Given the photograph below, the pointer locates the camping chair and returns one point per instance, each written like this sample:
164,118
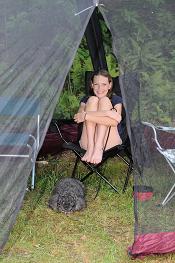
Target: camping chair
122,151
169,155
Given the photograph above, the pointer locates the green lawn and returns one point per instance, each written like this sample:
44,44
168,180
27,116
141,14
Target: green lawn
100,233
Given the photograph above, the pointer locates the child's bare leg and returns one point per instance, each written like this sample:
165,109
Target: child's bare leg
101,133
99,145
89,128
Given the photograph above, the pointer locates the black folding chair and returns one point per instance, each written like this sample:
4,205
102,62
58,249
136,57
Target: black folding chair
122,151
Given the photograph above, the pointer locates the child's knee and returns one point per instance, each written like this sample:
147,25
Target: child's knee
106,102
93,100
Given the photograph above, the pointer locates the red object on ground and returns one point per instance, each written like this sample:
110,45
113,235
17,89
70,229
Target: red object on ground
152,243
143,192
144,196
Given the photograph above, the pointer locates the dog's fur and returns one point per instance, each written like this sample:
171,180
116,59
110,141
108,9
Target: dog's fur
68,196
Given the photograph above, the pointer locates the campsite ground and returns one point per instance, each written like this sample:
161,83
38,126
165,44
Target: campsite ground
100,233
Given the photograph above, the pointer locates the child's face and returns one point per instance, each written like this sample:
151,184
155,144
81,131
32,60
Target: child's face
101,86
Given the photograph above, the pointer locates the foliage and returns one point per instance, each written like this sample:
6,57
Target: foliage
74,87
81,64
67,105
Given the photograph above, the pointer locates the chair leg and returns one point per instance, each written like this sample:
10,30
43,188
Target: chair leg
33,177
75,166
98,189
94,170
130,168
112,186
86,176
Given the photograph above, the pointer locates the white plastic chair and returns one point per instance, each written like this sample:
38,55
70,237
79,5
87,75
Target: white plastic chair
169,155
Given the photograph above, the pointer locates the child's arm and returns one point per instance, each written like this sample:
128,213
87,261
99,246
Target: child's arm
108,118
82,107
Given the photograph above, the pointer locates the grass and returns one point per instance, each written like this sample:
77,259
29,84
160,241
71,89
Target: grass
100,233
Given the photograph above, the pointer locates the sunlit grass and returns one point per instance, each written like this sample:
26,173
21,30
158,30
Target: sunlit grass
101,233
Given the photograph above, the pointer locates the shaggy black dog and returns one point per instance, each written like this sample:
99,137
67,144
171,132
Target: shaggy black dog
68,196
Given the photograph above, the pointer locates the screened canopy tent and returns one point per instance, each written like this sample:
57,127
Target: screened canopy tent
38,42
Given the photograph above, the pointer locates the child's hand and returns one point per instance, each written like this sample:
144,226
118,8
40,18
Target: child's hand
114,115
80,117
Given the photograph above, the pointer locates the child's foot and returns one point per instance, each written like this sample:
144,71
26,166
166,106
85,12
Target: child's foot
87,156
97,156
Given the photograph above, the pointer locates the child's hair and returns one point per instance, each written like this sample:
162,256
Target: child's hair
104,73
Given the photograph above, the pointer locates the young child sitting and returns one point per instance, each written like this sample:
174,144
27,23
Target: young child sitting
99,111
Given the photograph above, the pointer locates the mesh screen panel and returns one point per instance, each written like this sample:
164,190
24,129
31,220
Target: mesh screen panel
144,44
38,41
